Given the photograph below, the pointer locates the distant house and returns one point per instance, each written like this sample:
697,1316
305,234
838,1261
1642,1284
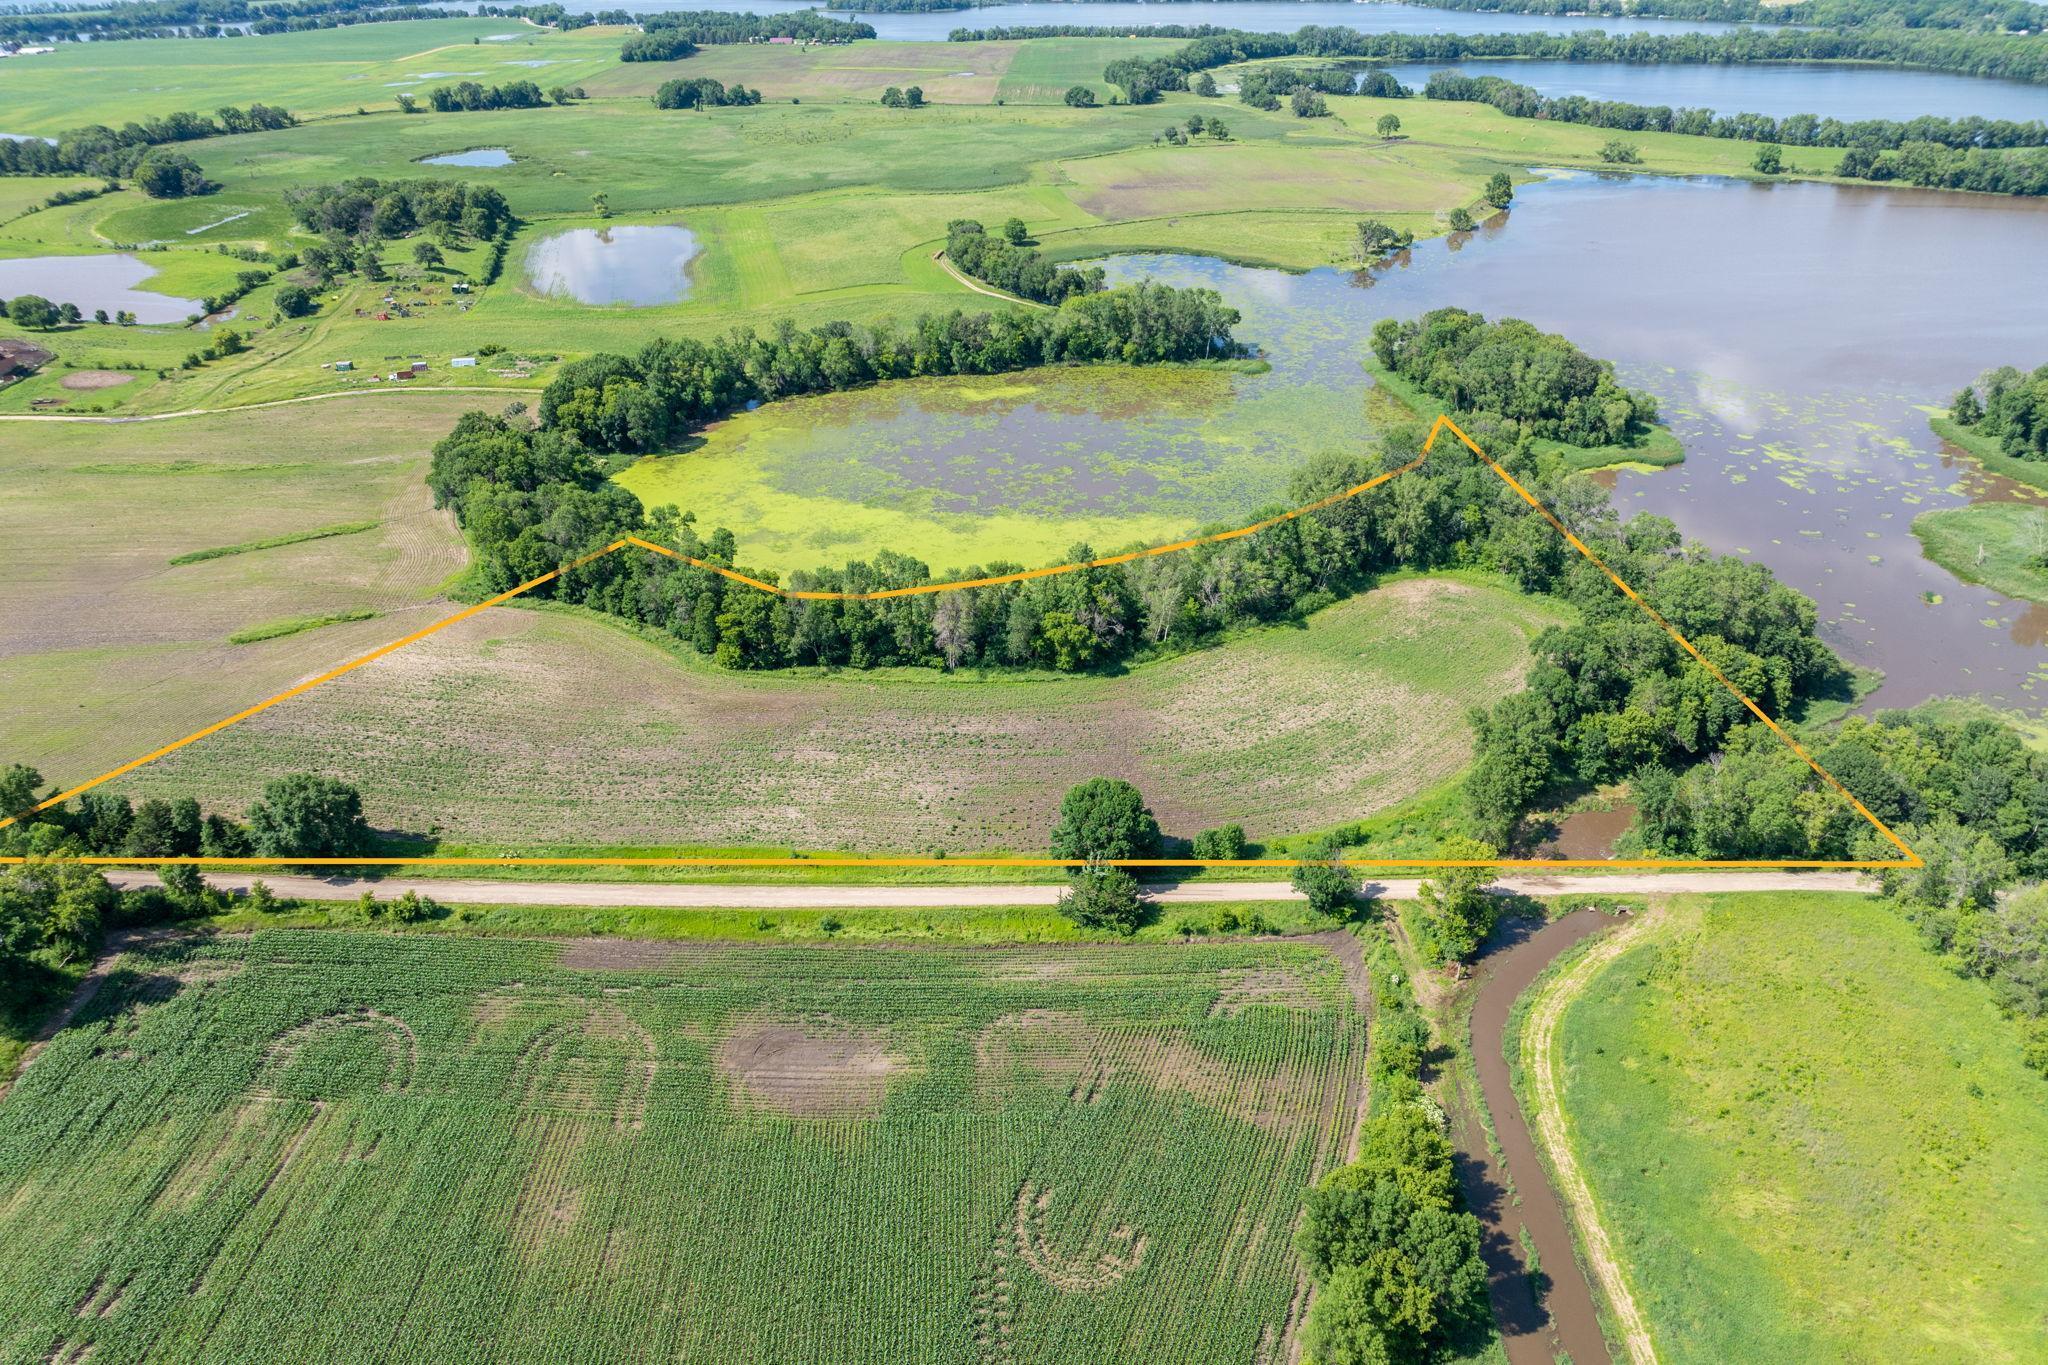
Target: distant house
782,41
19,360
341,365
462,362
419,367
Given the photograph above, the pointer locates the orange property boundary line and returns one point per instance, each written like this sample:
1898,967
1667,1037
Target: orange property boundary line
1908,858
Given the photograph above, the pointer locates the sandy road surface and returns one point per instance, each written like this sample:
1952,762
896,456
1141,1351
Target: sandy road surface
451,891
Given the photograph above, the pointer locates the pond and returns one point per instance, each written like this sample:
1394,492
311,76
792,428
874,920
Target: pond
968,470
632,265
475,156
105,281
1777,89
1799,375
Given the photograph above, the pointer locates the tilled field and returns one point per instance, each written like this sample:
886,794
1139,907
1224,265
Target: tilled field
522,729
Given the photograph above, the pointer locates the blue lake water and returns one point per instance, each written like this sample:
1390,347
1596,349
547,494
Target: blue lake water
1843,92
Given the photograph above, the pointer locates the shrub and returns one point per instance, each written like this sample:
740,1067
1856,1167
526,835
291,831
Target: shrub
1103,896
1220,844
1331,887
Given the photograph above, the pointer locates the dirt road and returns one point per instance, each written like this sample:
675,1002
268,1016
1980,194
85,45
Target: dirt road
825,896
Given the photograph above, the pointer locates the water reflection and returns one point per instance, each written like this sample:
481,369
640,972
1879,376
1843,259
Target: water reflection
635,265
108,280
1776,88
475,156
1793,352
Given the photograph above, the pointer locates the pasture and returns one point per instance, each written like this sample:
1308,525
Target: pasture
1809,1139
360,1147
819,206
316,74
518,727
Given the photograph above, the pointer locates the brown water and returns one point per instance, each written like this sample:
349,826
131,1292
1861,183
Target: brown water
1564,1323
1794,334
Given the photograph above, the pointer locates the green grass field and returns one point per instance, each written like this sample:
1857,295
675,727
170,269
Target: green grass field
1809,1140
320,73
1998,544
345,1146
818,210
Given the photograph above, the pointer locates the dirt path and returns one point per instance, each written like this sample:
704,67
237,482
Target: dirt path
1539,1052
82,995
824,896
253,407
978,287
1565,1322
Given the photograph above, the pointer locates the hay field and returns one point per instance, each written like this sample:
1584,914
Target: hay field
334,1146
108,647
520,729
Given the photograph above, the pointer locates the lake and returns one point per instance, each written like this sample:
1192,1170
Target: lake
1271,16
633,265
107,281
1779,89
1794,334
475,156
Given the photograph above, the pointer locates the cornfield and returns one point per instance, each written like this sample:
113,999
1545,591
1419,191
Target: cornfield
318,1145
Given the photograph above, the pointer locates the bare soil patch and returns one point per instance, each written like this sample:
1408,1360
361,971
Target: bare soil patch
811,1068
95,379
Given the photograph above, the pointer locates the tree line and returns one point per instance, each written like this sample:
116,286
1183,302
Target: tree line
469,96
1965,793
100,150
1982,16
1795,130
1975,54
677,34
2011,406
1537,380
96,22
1011,266
302,814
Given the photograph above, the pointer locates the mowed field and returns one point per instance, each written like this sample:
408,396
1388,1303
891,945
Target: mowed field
522,728
333,1146
1809,1140
107,646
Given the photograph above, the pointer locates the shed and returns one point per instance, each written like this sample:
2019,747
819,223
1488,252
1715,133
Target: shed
344,364
462,362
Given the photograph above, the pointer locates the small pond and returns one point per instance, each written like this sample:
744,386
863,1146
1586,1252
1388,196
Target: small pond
106,281
633,265
475,156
